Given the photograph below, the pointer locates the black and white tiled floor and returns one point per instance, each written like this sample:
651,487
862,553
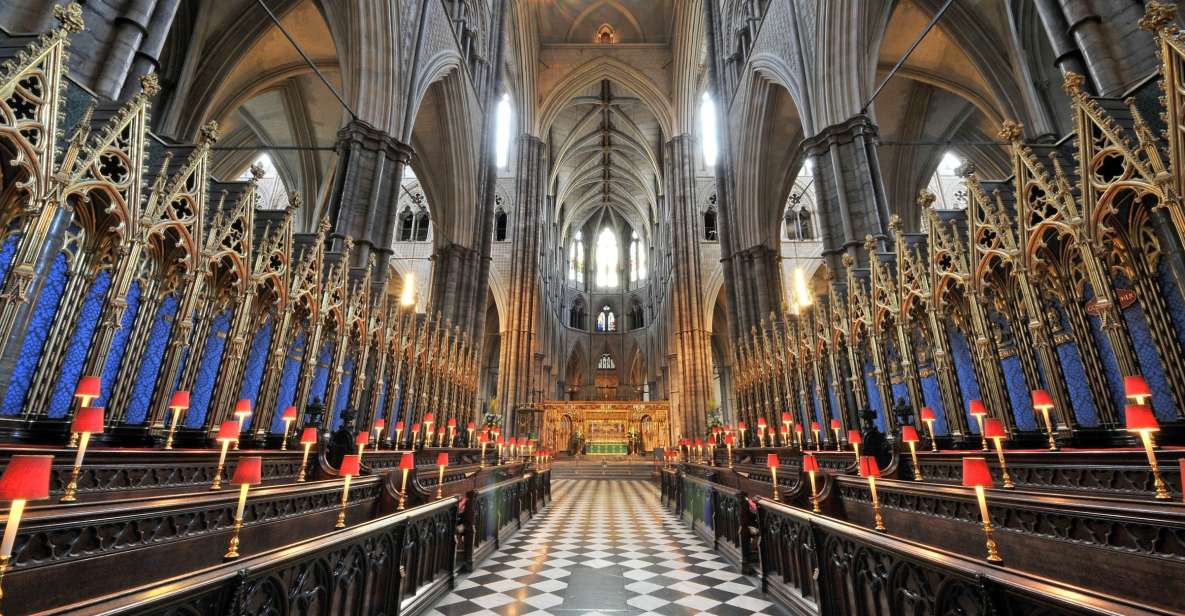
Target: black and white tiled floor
605,547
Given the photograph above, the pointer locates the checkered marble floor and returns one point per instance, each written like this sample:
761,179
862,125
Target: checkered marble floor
605,547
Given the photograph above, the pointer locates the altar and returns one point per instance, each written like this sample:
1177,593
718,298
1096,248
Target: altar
605,427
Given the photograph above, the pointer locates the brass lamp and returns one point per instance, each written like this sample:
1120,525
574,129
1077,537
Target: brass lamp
818,439
398,434
977,475
88,389
836,427
242,412
786,421
910,436
442,462
929,418
1043,402
178,404
247,473
407,463
772,461
452,428
350,467
1140,420
288,417
810,465
977,410
228,433
429,435
728,439
378,427
855,439
308,438
88,420
994,429
362,439
25,478
871,471
415,434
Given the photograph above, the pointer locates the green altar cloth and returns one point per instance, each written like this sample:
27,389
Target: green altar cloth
606,449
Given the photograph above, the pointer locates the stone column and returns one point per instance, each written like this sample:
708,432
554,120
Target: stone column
516,363
852,201
365,193
693,351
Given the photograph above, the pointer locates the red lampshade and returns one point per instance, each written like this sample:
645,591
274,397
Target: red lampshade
1135,386
835,424
1140,418
854,437
699,442
728,440
452,423
741,426
1042,399
909,434
976,473
928,414
289,414
442,459
440,431
379,424
351,464
814,426
785,417
415,427
88,387
228,431
868,467
88,419
471,426
309,436
399,426
994,428
248,471
242,407
180,399
810,464
429,418
798,428
501,440
407,462
976,407
481,437
362,438
772,460
26,478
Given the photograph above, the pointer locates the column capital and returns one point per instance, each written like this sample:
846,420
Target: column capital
371,138
842,133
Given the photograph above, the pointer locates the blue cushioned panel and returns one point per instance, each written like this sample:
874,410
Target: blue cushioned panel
253,371
203,386
965,369
62,398
1076,381
43,313
288,382
120,342
150,365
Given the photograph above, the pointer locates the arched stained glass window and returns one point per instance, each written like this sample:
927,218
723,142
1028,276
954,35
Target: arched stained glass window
606,362
576,259
707,122
606,320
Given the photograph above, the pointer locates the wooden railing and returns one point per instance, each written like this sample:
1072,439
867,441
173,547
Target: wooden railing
817,565
396,564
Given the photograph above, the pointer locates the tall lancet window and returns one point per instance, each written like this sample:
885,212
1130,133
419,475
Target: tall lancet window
607,259
637,258
502,132
707,124
606,320
576,259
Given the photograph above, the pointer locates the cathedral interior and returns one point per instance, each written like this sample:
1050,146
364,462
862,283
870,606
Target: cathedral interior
604,307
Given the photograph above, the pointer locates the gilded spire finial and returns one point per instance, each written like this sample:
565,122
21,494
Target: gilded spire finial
925,199
209,133
1011,130
1072,84
1157,15
848,260
895,223
150,85
70,16
257,172
294,201
869,243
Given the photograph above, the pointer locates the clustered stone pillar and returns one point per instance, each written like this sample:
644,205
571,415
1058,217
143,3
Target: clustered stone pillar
852,201
691,332
518,352
365,193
